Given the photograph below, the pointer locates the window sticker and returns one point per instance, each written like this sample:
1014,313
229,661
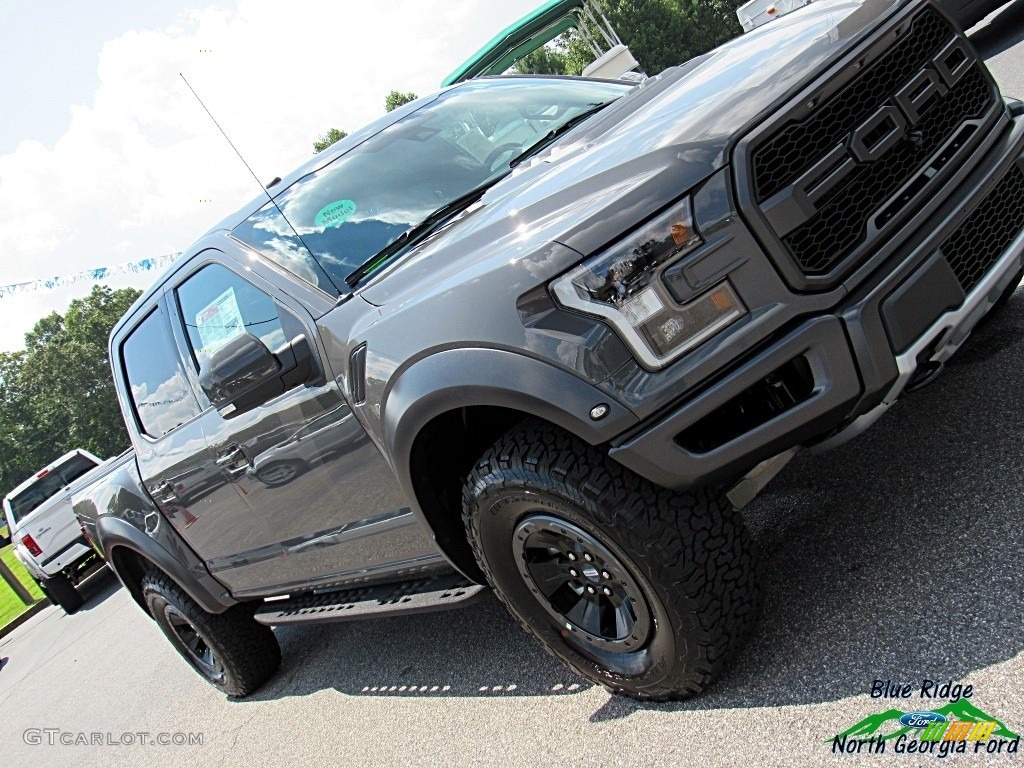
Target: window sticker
335,214
219,322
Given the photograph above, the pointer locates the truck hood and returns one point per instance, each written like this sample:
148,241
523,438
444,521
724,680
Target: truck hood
640,153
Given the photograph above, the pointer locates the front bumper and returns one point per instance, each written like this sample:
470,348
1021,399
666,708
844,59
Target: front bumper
894,330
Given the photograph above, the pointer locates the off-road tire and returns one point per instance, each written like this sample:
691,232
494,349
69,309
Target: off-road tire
61,591
689,554
245,653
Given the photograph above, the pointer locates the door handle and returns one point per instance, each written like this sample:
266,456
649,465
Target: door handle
164,487
233,461
232,455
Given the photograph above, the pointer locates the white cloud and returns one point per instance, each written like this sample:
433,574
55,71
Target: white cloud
127,178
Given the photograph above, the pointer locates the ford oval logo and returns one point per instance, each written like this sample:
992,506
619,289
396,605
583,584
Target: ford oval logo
921,719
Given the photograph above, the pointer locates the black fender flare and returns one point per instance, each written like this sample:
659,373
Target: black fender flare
475,376
182,565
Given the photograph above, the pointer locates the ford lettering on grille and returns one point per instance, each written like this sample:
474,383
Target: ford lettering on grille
832,175
892,123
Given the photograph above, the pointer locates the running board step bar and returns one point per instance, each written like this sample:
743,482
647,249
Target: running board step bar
436,593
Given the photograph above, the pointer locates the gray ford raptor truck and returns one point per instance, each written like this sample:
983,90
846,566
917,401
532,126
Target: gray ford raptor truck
547,335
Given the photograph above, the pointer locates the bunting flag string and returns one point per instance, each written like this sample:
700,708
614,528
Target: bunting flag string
100,273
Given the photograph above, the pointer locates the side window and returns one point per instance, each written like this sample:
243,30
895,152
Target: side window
159,390
217,305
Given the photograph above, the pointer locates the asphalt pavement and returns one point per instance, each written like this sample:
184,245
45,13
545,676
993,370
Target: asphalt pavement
896,557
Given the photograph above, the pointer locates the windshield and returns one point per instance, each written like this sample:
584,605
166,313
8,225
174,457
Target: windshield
49,485
353,208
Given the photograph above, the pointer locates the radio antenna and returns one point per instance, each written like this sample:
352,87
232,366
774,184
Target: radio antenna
257,178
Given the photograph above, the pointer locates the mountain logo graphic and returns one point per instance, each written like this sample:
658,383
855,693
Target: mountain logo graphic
891,724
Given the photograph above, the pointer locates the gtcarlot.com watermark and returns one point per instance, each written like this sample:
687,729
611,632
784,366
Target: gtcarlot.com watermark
54,737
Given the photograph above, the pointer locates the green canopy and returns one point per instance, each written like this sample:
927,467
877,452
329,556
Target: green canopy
512,43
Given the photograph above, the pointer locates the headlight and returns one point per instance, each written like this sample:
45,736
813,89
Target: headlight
623,286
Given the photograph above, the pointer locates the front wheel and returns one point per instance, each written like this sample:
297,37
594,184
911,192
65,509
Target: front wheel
645,591
231,650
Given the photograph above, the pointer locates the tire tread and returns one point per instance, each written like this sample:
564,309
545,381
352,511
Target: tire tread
711,587
248,650
59,589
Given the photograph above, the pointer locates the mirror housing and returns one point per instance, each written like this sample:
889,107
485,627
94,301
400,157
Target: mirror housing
243,373
298,363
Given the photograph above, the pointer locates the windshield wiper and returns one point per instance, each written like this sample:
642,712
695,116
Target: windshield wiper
554,133
418,232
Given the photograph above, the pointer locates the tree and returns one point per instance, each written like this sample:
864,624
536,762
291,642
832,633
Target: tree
395,99
546,60
15,423
57,393
660,33
325,140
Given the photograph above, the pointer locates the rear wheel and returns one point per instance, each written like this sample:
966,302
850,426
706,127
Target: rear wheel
645,591
231,650
60,590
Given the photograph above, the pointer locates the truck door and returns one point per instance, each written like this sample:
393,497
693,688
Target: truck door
174,461
323,501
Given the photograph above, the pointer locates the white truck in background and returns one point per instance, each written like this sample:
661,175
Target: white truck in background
44,532
754,13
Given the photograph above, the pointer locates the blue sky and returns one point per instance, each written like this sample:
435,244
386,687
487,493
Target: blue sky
106,158
53,49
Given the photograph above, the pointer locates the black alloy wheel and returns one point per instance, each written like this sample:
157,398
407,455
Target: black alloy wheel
231,650
643,590
193,646
583,585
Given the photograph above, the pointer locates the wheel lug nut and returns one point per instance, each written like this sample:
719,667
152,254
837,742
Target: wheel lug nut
572,556
607,591
605,575
587,556
573,572
591,590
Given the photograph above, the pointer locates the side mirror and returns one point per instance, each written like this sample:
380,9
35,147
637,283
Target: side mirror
299,364
243,373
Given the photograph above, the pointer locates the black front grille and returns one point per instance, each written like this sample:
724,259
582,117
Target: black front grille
860,180
988,231
778,161
841,224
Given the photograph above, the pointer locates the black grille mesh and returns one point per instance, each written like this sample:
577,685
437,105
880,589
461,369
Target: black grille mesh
840,225
987,232
792,150
835,237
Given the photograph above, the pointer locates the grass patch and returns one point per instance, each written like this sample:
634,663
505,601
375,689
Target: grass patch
10,604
